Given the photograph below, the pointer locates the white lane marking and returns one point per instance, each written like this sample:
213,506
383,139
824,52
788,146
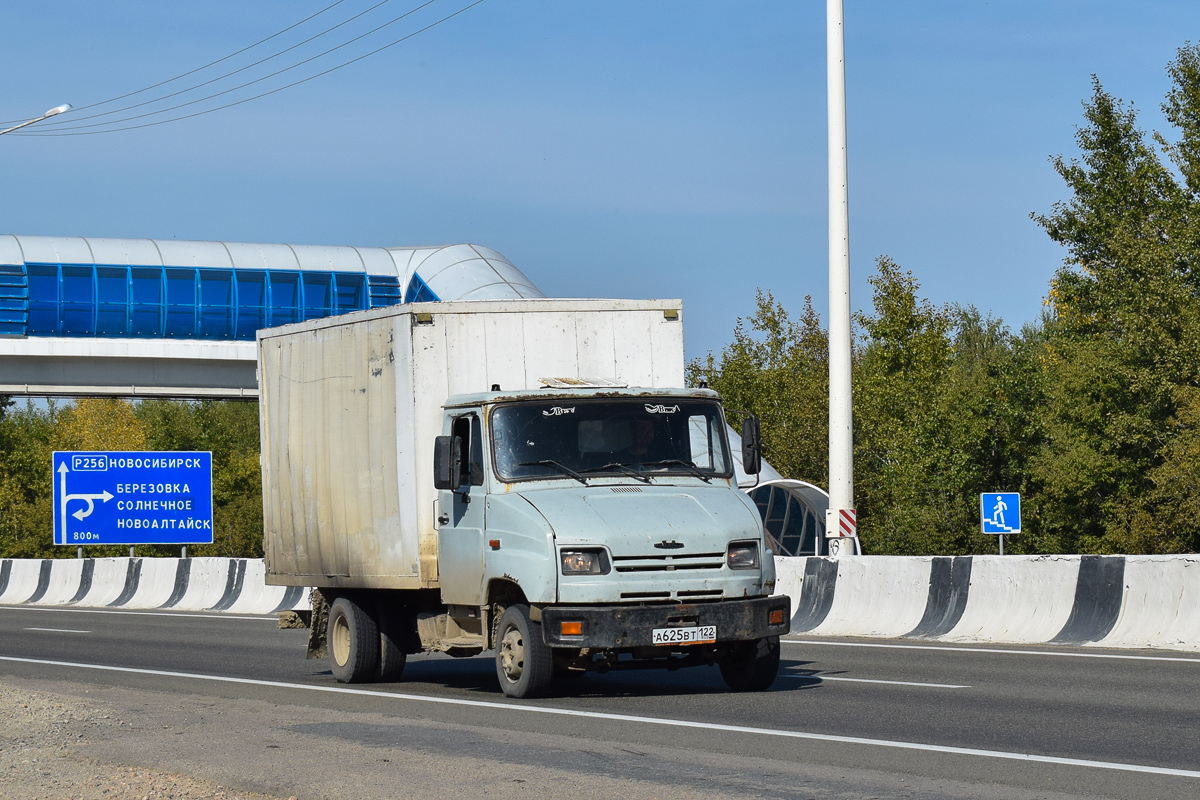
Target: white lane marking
670,723
55,630
822,678
1064,654
213,615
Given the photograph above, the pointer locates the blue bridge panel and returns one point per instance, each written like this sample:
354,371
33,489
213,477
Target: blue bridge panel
42,299
14,300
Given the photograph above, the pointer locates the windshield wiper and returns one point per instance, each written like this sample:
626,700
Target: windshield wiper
623,467
549,462
689,465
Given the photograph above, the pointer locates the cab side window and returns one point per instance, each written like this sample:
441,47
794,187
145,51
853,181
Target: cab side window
467,428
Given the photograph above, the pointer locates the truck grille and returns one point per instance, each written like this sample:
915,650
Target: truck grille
695,594
669,563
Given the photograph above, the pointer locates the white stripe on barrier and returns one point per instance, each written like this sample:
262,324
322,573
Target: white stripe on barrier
108,581
156,583
1162,599
206,583
22,580
877,596
257,596
1017,599
65,575
789,575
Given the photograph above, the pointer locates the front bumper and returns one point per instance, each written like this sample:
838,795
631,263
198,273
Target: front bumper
621,626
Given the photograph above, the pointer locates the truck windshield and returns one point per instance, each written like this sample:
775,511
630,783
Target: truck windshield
589,438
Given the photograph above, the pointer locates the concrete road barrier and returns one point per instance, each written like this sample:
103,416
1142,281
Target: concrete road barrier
235,585
1104,601
1019,600
1107,601
877,596
1162,603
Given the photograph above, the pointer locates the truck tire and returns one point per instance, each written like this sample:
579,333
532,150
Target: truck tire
524,662
353,639
392,641
752,666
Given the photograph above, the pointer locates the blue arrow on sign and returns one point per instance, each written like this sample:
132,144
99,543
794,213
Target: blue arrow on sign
1000,512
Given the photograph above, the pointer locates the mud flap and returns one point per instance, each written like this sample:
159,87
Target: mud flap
320,621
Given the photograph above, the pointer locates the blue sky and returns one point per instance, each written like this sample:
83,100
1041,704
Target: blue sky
620,149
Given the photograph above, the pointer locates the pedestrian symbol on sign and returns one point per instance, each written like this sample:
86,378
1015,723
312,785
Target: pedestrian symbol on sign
1000,512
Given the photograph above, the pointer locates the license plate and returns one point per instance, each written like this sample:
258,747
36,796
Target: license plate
703,634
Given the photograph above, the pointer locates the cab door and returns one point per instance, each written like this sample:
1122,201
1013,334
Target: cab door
460,520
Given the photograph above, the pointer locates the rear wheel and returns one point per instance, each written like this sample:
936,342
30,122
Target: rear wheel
752,666
353,640
524,662
393,640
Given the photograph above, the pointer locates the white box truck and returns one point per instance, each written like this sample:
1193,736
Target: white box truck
524,476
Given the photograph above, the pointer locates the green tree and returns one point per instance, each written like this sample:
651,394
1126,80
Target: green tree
230,431
940,405
777,368
98,424
1123,335
939,417
26,529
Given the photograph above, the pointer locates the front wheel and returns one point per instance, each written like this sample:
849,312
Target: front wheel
524,662
752,666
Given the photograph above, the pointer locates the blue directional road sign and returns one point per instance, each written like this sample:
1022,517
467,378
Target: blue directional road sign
133,498
1000,512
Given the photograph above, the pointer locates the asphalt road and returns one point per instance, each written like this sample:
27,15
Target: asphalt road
233,699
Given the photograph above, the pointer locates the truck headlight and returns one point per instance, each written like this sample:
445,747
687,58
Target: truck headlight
584,562
742,555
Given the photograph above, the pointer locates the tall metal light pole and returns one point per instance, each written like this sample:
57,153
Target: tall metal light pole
841,526
50,113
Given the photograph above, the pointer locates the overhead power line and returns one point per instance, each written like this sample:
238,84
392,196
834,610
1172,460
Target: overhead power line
263,94
69,124
206,66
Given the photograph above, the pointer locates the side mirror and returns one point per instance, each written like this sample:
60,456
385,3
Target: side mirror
751,446
447,462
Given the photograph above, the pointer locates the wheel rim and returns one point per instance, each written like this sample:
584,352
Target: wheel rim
512,655
340,639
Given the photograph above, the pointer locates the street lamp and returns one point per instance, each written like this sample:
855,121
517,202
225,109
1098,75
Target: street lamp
841,518
52,112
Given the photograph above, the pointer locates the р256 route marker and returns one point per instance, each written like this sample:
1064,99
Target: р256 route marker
132,498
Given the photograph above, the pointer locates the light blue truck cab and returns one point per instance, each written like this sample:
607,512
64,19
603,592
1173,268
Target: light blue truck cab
602,528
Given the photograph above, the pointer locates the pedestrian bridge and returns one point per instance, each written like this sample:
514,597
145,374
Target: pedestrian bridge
167,318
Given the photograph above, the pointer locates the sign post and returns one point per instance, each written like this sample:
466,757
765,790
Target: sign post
132,498
1000,514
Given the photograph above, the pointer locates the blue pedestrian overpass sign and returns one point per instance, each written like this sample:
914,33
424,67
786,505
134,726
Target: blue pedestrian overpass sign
1000,513
133,498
